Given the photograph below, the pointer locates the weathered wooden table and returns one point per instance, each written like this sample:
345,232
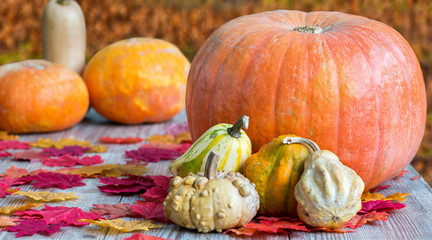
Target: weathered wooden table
412,222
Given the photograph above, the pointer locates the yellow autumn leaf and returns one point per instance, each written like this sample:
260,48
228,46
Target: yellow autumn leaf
397,197
6,136
110,170
7,221
60,143
47,196
124,226
158,138
182,137
368,196
7,210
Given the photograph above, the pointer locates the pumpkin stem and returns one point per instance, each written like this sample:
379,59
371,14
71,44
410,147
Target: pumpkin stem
234,131
210,170
309,144
63,2
308,29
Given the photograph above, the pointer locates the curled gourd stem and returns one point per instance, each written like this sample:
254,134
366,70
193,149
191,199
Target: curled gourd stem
210,170
234,131
309,144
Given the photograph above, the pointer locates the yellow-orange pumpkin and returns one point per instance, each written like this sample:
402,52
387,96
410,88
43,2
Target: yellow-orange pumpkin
351,84
40,96
137,80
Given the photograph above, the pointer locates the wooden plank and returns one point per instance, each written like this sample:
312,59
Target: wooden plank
412,222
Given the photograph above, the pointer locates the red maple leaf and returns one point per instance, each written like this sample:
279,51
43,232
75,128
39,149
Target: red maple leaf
113,211
60,214
13,144
150,211
4,154
120,140
402,173
51,179
152,154
70,150
415,177
62,161
380,206
30,227
90,160
131,184
5,184
140,236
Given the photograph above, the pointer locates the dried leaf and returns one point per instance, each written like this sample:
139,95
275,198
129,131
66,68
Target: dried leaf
124,226
133,184
47,196
241,231
59,144
62,161
66,150
165,139
110,170
402,173
30,227
57,180
396,197
380,206
368,196
4,154
270,225
149,154
359,220
151,211
13,144
378,188
7,210
6,136
15,172
140,236
177,128
120,140
113,211
60,214
28,155
90,160
7,221
415,177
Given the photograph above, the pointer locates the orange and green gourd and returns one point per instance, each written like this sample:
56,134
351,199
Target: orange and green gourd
226,140
275,170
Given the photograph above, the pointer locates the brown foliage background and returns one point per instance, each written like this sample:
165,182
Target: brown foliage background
187,23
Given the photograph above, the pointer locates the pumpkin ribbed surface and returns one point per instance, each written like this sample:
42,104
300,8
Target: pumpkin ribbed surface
137,80
39,96
355,87
275,170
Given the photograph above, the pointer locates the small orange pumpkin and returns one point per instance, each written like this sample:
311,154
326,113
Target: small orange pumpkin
137,80
40,96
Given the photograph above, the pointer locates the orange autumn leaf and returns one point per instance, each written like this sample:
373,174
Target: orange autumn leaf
124,226
181,137
359,220
15,172
7,221
7,210
60,143
6,136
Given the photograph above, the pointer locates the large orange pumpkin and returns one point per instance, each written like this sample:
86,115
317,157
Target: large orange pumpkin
351,84
137,80
39,96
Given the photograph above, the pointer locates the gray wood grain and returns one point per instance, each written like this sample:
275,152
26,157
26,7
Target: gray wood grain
412,222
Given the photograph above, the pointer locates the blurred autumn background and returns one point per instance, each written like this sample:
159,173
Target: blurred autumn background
187,23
